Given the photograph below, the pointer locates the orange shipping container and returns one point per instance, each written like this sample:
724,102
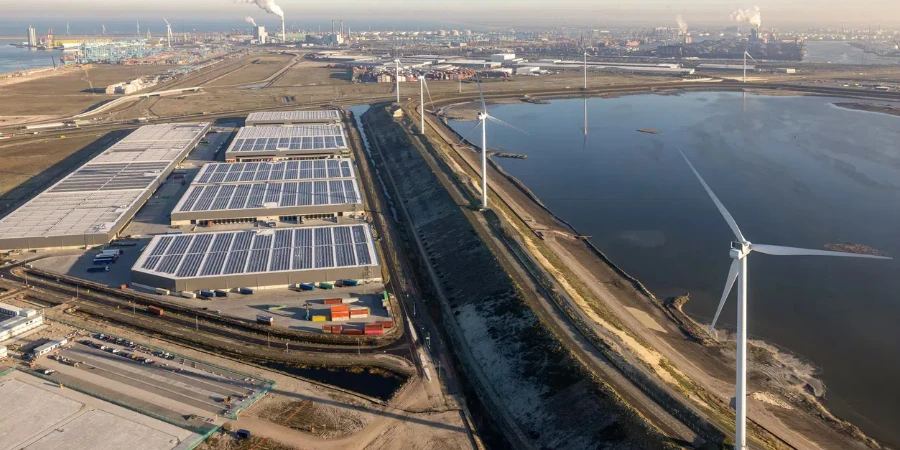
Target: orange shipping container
326,329
374,331
332,301
340,308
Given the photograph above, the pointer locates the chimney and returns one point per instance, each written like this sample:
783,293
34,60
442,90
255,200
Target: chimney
342,28
332,26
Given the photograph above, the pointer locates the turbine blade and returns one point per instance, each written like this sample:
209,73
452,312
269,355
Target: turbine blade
469,133
430,100
729,283
722,210
494,119
792,251
481,94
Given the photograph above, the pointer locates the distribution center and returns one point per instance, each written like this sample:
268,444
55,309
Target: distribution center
274,143
92,204
293,117
286,191
258,258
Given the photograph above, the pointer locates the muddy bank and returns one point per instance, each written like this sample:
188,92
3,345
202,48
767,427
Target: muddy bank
892,110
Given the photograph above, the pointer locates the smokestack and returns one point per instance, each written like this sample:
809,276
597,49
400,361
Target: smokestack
332,26
283,37
342,28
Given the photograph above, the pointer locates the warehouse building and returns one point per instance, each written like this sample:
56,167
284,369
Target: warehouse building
285,191
258,258
92,204
15,320
49,347
293,117
276,143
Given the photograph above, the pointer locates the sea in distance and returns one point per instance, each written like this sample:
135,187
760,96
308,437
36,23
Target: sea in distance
13,59
795,171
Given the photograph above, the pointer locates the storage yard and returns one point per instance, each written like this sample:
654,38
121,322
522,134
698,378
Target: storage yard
92,204
51,417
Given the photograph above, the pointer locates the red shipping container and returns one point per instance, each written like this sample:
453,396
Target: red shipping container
354,332
336,329
374,325
332,301
326,329
387,324
155,310
374,331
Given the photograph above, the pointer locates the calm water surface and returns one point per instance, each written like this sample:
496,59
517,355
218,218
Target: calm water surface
13,59
793,171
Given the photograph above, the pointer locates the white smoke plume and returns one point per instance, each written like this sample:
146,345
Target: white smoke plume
682,25
250,20
268,5
750,16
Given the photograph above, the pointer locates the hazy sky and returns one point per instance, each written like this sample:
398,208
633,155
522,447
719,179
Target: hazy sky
861,13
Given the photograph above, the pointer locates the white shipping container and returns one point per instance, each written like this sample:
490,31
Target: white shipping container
358,316
348,300
162,291
339,319
188,294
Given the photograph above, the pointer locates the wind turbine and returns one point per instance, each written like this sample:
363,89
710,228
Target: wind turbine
422,87
397,77
483,117
745,64
168,32
103,28
740,250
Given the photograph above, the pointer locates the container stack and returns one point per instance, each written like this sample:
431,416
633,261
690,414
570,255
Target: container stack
374,330
340,313
359,313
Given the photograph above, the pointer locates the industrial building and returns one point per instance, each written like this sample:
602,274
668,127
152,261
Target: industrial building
656,69
15,321
726,67
293,117
43,349
258,258
275,143
260,35
286,191
94,203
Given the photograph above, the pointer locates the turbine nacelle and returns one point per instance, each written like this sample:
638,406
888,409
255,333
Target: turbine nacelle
739,249
482,116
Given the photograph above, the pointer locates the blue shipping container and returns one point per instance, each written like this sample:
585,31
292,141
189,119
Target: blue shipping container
307,287
221,293
349,283
207,293
246,291
98,262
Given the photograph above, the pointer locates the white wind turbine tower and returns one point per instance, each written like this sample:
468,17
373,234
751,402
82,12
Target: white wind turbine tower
168,32
422,88
483,117
745,64
397,77
740,250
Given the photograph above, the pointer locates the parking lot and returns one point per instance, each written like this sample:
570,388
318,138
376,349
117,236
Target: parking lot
152,380
294,309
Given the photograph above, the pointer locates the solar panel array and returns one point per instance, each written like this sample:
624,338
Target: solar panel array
248,252
289,138
263,195
330,115
96,196
277,171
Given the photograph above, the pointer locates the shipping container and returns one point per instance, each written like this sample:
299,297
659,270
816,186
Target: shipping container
123,286
155,310
359,310
103,261
387,324
188,294
337,308
220,293
208,294
348,300
162,291
374,332
326,286
340,317
319,319
373,326
349,283
359,316
265,320
246,291
98,269
326,329
336,329
307,287
332,301
352,331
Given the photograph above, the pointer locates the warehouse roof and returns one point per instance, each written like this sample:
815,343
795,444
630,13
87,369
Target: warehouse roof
248,252
284,184
287,138
214,173
327,115
97,196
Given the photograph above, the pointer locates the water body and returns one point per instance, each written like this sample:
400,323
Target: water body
794,171
13,59
839,52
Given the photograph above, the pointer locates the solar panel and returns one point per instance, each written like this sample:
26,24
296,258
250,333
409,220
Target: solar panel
190,266
160,248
